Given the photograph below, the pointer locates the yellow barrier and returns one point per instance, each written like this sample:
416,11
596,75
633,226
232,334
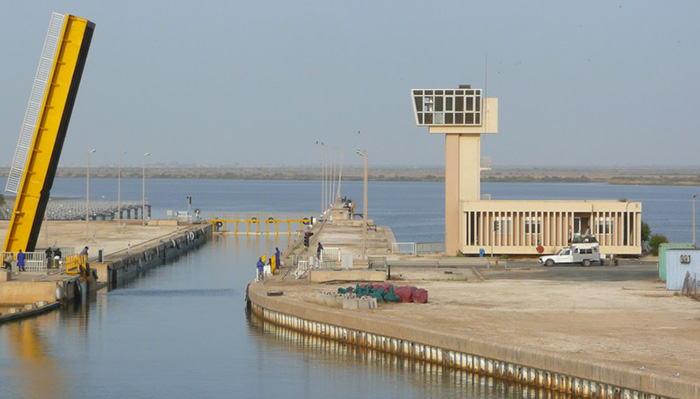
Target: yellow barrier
221,225
74,264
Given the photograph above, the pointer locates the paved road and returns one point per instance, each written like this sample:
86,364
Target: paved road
626,271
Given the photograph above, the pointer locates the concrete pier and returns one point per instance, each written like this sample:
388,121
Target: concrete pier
615,338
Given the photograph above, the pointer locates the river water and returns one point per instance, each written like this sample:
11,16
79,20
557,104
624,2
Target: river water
181,331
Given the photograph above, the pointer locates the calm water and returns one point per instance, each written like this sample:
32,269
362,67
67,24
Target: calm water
181,331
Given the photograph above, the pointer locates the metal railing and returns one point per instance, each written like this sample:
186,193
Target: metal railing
37,262
36,99
330,254
302,269
403,248
33,261
430,247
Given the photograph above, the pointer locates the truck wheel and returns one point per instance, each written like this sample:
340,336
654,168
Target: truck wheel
549,262
586,263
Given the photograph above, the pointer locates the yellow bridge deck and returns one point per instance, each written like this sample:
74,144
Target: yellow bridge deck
40,152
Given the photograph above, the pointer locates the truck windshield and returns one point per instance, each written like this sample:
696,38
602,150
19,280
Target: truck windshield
564,251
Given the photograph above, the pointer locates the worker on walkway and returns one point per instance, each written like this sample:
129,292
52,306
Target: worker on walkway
260,270
277,258
318,250
49,257
57,257
20,261
7,262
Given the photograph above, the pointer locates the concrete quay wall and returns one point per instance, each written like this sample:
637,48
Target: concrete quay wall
126,265
576,376
21,292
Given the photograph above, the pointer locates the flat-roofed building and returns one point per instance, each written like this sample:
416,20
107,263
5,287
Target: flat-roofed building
474,222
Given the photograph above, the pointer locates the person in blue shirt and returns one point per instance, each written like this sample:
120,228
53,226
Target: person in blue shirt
277,258
20,260
260,266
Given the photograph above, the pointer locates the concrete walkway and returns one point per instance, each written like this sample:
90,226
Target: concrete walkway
618,317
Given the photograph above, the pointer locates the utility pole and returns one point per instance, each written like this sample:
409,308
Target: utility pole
143,198
323,176
189,205
364,155
87,198
119,191
694,197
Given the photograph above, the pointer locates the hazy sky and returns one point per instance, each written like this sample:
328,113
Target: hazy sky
259,82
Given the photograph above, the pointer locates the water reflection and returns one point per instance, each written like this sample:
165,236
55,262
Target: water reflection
432,379
36,373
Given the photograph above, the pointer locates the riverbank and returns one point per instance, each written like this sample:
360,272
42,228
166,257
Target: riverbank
619,176
593,331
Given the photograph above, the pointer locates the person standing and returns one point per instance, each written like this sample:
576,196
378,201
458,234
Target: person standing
7,262
57,257
49,257
20,261
318,250
260,268
277,258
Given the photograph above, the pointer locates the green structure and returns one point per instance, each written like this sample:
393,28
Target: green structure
662,256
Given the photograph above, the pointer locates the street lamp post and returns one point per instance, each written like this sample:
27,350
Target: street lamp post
87,198
331,194
143,198
340,175
694,197
323,176
364,155
119,191
189,205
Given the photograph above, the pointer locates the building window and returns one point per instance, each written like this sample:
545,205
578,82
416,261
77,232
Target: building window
457,107
605,226
472,224
501,225
533,225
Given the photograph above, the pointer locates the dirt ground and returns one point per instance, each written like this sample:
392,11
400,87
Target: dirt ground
633,322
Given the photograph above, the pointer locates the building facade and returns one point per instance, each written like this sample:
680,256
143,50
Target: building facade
474,222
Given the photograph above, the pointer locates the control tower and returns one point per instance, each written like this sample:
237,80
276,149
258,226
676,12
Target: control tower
475,222
462,115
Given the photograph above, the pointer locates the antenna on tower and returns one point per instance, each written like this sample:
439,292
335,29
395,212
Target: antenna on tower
486,86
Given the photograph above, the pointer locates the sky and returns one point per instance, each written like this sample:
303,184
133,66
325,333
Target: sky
258,83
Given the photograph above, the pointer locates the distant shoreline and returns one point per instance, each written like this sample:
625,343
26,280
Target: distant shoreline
648,177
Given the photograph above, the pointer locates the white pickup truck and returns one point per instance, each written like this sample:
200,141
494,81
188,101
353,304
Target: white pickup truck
583,253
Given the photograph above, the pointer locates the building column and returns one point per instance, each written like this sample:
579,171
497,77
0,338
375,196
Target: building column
451,194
